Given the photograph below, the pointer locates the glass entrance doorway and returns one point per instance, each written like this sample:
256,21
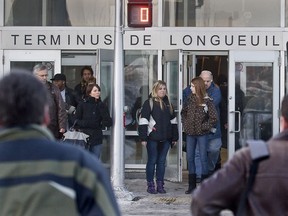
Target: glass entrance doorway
217,63
249,84
254,90
247,80
101,62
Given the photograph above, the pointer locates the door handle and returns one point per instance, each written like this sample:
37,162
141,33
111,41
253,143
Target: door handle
239,121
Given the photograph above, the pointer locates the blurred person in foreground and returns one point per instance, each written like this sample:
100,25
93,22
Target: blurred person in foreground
58,115
269,194
39,176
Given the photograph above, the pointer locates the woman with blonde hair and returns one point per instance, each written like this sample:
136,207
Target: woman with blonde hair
158,131
198,117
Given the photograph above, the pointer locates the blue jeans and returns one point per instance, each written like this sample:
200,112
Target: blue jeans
157,153
214,146
201,143
96,150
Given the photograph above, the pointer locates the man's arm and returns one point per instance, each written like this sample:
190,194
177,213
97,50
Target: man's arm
216,95
185,94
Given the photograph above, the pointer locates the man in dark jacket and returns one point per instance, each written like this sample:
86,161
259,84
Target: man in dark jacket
38,175
68,96
269,194
58,116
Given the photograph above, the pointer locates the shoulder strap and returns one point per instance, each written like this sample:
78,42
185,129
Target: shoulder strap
259,151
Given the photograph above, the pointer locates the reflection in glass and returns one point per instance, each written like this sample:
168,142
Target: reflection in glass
135,153
254,90
59,13
221,13
140,74
28,66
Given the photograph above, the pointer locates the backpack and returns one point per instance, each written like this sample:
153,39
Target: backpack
259,152
138,112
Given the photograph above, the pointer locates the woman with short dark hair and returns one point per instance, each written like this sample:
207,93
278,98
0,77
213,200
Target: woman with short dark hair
92,115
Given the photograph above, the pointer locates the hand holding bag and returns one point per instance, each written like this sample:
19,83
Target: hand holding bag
76,137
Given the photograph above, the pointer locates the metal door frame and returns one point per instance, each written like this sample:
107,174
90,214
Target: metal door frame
175,55
251,56
31,55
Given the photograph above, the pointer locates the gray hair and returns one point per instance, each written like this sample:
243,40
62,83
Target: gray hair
206,72
39,67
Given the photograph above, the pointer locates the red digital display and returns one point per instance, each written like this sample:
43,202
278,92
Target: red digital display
139,14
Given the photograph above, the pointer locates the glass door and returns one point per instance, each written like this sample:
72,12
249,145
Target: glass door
140,73
27,59
101,62
194,62
173,75
104,69
253,97
73,61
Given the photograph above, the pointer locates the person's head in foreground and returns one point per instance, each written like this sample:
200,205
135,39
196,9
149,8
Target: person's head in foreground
40,176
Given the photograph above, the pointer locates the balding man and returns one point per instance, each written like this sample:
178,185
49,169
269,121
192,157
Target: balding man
214,138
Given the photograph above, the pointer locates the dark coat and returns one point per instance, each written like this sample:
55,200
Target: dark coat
80,91
91,117
165,123
224,189
58,115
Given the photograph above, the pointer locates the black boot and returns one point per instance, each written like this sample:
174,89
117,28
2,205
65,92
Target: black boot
204,177
192,183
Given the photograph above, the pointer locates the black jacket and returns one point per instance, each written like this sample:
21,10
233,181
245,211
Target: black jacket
165,125
91,116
